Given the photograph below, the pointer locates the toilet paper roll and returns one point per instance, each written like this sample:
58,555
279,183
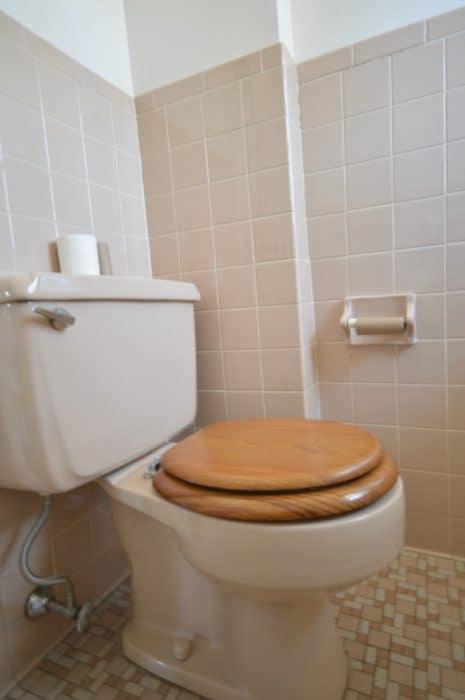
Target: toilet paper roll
377,325
78,254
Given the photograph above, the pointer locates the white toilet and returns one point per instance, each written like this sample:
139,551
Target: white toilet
97,375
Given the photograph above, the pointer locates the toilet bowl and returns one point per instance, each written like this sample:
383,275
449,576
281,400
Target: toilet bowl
236,603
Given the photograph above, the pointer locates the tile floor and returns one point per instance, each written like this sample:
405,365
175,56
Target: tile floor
404,633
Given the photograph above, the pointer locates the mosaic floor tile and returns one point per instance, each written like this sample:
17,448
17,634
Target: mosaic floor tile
403,631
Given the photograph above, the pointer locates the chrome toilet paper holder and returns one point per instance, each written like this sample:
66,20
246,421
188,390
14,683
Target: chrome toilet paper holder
380,320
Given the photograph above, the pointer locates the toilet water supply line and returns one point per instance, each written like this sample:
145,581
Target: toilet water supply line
40,601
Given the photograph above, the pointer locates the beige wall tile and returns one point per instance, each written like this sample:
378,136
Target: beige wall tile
266,144
28,189
188,165
321,101
367,136
369,184
243,405
333,362
446,23
419,123
419,223
455,204
263,96
185,121
371,274
327,236
209,371
456,114
59,95
192,208
370,230
373,364
456,448
422,363
276,283
233,243
455,170
66,151
272,56
180,90
282,370
211,407
390,42
456,362
328,63
375,403
223,109
426,492
101,163
273,238
106,211
160,215
226,155
230,200
270,192
420,270
284,404
336,402
243,370
366,87
427,531
455,259
18,77
239,329
138,256
417,72
21,131
96,115
455,56
125,129
205,281
71,200
456,404
456,315
430,316
129,174
207,330
236,286
419,174
133,213
279,327
325,192
157,176
196,250
164,254
35,247
423,449
323,147
330,279
6,243
153,135
422,406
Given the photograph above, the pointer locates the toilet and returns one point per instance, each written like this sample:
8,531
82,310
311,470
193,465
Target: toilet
238,533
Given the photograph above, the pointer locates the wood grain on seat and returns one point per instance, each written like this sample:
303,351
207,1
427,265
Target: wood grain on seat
273,455
281,507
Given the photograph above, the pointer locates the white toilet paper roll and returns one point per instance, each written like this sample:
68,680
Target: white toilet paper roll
78,254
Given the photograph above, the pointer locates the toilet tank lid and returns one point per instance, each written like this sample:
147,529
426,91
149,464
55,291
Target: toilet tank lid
51,286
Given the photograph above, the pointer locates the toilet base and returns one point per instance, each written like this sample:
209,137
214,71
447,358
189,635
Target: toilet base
270,652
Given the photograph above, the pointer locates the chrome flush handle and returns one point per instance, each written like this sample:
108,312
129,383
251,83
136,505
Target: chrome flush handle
58,318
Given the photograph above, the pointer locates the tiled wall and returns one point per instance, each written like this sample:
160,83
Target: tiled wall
384,152
69,161
221,156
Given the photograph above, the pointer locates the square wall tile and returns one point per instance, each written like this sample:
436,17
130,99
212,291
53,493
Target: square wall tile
96,115
66,150
456,445
263,96
157,174
279,327
233,243
455,169
185,121
153,134
28,189
366,87
226,155
59,95
223,110
426,492
455,261
455,204
21,132
369,184
284,404
266,144
101,163
270,192
243,370
106,211
273,238
188,164
420,270
321,101
419,123
239,329
371,274
281,370
330,279
230,200
276,283
209,371
373,364
323,147
456,315
418,72
327,236
368,136
336,402
333,362
456,362
244,405
205,281
211,407
419,223
375,403
192,208
370,230
234,70
35,245
207,330
456,114
325,192
422,406
423,449
419,174
236,286
430,316
422,363
18,77
164,254
160,214
196,250
455,53
456,402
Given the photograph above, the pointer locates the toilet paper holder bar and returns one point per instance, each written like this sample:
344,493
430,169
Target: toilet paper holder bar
380,320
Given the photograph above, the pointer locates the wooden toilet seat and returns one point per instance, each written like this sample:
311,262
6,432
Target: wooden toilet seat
276,470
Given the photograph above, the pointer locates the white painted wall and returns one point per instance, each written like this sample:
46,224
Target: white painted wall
91,31
171,39
320,26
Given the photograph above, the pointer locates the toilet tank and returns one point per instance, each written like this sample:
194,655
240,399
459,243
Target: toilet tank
79,402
